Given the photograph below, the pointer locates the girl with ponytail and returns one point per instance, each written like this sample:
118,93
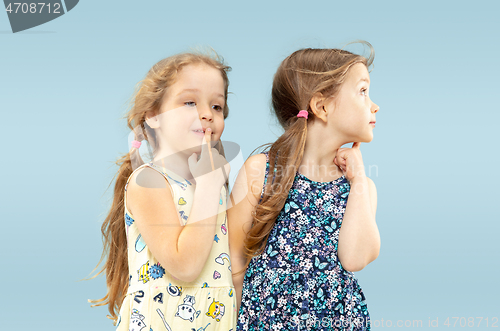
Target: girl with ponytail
166,250
306,217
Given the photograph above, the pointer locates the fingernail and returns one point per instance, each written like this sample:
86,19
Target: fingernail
208,129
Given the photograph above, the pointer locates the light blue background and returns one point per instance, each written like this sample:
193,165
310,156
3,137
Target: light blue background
64,87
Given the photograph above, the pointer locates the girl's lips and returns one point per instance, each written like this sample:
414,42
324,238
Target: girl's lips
200,132
372,123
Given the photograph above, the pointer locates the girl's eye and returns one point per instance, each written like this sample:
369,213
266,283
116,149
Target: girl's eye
364,91
190,103
217,108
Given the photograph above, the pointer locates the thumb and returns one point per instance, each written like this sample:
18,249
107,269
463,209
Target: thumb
356,145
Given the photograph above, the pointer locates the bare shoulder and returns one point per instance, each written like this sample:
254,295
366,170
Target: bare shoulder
146,183
255,165
145,178
248,184
255,168
244,197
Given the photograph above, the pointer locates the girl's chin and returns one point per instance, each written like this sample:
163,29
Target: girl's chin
194,149
366,138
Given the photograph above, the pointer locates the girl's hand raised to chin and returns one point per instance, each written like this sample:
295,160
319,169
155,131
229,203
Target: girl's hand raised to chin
350,161
211,168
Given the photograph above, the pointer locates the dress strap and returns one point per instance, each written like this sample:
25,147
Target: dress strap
265,176
149,165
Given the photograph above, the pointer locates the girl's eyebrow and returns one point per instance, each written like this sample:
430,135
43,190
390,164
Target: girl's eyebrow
188,90
364,80
196,90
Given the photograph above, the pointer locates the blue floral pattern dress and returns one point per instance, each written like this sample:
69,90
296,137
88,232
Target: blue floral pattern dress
298,282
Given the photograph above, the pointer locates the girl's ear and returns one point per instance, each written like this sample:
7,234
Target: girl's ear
317,104
152,120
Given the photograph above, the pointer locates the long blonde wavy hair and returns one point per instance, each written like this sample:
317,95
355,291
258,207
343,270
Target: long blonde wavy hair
147,98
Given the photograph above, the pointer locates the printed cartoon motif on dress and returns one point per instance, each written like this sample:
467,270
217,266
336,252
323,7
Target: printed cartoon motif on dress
222,258
163,320
156,271
223,227
187,311
183,216
216,310
202,328
143,273
128,220
175,291
139,244
136,321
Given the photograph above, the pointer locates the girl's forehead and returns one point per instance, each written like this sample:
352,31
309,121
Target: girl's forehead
358,72
197,78
198,73
196,81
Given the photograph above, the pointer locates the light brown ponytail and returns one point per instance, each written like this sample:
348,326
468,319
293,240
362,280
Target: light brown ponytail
115,244
300,76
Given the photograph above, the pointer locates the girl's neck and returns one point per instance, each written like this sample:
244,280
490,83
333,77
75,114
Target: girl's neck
176,162
319,152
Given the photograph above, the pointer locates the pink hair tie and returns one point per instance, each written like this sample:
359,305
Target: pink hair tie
303,113
136,144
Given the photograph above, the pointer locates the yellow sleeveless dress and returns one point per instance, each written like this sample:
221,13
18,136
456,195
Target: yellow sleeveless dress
156,300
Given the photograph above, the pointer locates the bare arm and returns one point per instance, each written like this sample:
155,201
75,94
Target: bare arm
182,250
245,196
359,238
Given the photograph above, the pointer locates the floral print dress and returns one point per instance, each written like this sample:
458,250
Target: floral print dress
298,282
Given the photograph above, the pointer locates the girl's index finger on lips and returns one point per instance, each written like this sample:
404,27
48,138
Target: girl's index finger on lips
205,145
208,144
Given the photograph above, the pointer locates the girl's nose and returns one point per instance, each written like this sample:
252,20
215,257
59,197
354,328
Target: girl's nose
375,108
205,113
